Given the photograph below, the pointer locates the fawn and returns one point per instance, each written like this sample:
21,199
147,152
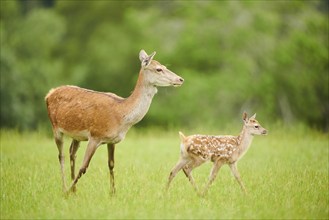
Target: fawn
227,149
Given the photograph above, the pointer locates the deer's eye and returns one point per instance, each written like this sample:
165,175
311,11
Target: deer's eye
158,69
256,126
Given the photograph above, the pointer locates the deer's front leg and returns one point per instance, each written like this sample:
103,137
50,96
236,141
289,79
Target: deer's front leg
110,150
91,148
236,174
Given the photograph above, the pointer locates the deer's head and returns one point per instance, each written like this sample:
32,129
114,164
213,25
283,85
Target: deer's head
252,125
156,73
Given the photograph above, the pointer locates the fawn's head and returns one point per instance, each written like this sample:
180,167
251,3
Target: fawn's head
156,73
252,125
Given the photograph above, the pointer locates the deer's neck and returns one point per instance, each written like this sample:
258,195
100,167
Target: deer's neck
138,103
244,140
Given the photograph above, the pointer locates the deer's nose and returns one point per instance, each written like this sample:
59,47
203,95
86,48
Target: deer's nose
178,81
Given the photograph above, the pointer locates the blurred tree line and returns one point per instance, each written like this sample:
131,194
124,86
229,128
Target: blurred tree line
269,57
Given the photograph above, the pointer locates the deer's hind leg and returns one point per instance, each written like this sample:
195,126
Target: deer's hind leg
181,163
59,142
73,150
187,169
217,165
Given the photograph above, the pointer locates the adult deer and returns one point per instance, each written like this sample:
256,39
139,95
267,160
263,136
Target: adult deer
225,149
102,118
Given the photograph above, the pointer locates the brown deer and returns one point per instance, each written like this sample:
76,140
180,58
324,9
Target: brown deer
102,117
227,149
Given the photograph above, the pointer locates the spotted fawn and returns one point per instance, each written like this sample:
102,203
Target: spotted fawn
227,149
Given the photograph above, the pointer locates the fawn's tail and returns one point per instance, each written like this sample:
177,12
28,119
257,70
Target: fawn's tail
182,136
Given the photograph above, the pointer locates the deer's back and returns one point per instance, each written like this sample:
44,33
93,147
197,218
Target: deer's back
73,110
210,147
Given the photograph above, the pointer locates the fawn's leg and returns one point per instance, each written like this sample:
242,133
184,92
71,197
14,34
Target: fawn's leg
59,142
91,148
236,174
73,150
188,169
110,150
181,163
217,165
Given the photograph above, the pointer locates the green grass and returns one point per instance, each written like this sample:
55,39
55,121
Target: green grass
285,173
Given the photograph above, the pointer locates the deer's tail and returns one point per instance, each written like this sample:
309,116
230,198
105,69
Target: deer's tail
182,136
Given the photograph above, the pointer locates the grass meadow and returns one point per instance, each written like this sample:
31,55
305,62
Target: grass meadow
285,173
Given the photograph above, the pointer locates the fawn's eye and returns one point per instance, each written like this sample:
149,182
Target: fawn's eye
256,126
158,69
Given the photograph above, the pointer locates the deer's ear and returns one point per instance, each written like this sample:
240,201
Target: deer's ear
142,55
144,58
245,117
253,117
151,56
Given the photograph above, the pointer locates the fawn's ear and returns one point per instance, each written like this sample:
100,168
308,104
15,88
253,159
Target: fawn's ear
245,117
253,117
144,58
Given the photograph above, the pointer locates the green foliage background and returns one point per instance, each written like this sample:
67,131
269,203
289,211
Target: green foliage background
269,57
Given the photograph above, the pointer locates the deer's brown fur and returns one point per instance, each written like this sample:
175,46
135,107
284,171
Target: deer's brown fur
102,117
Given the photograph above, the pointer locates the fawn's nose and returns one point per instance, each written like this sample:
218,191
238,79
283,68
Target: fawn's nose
181,79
